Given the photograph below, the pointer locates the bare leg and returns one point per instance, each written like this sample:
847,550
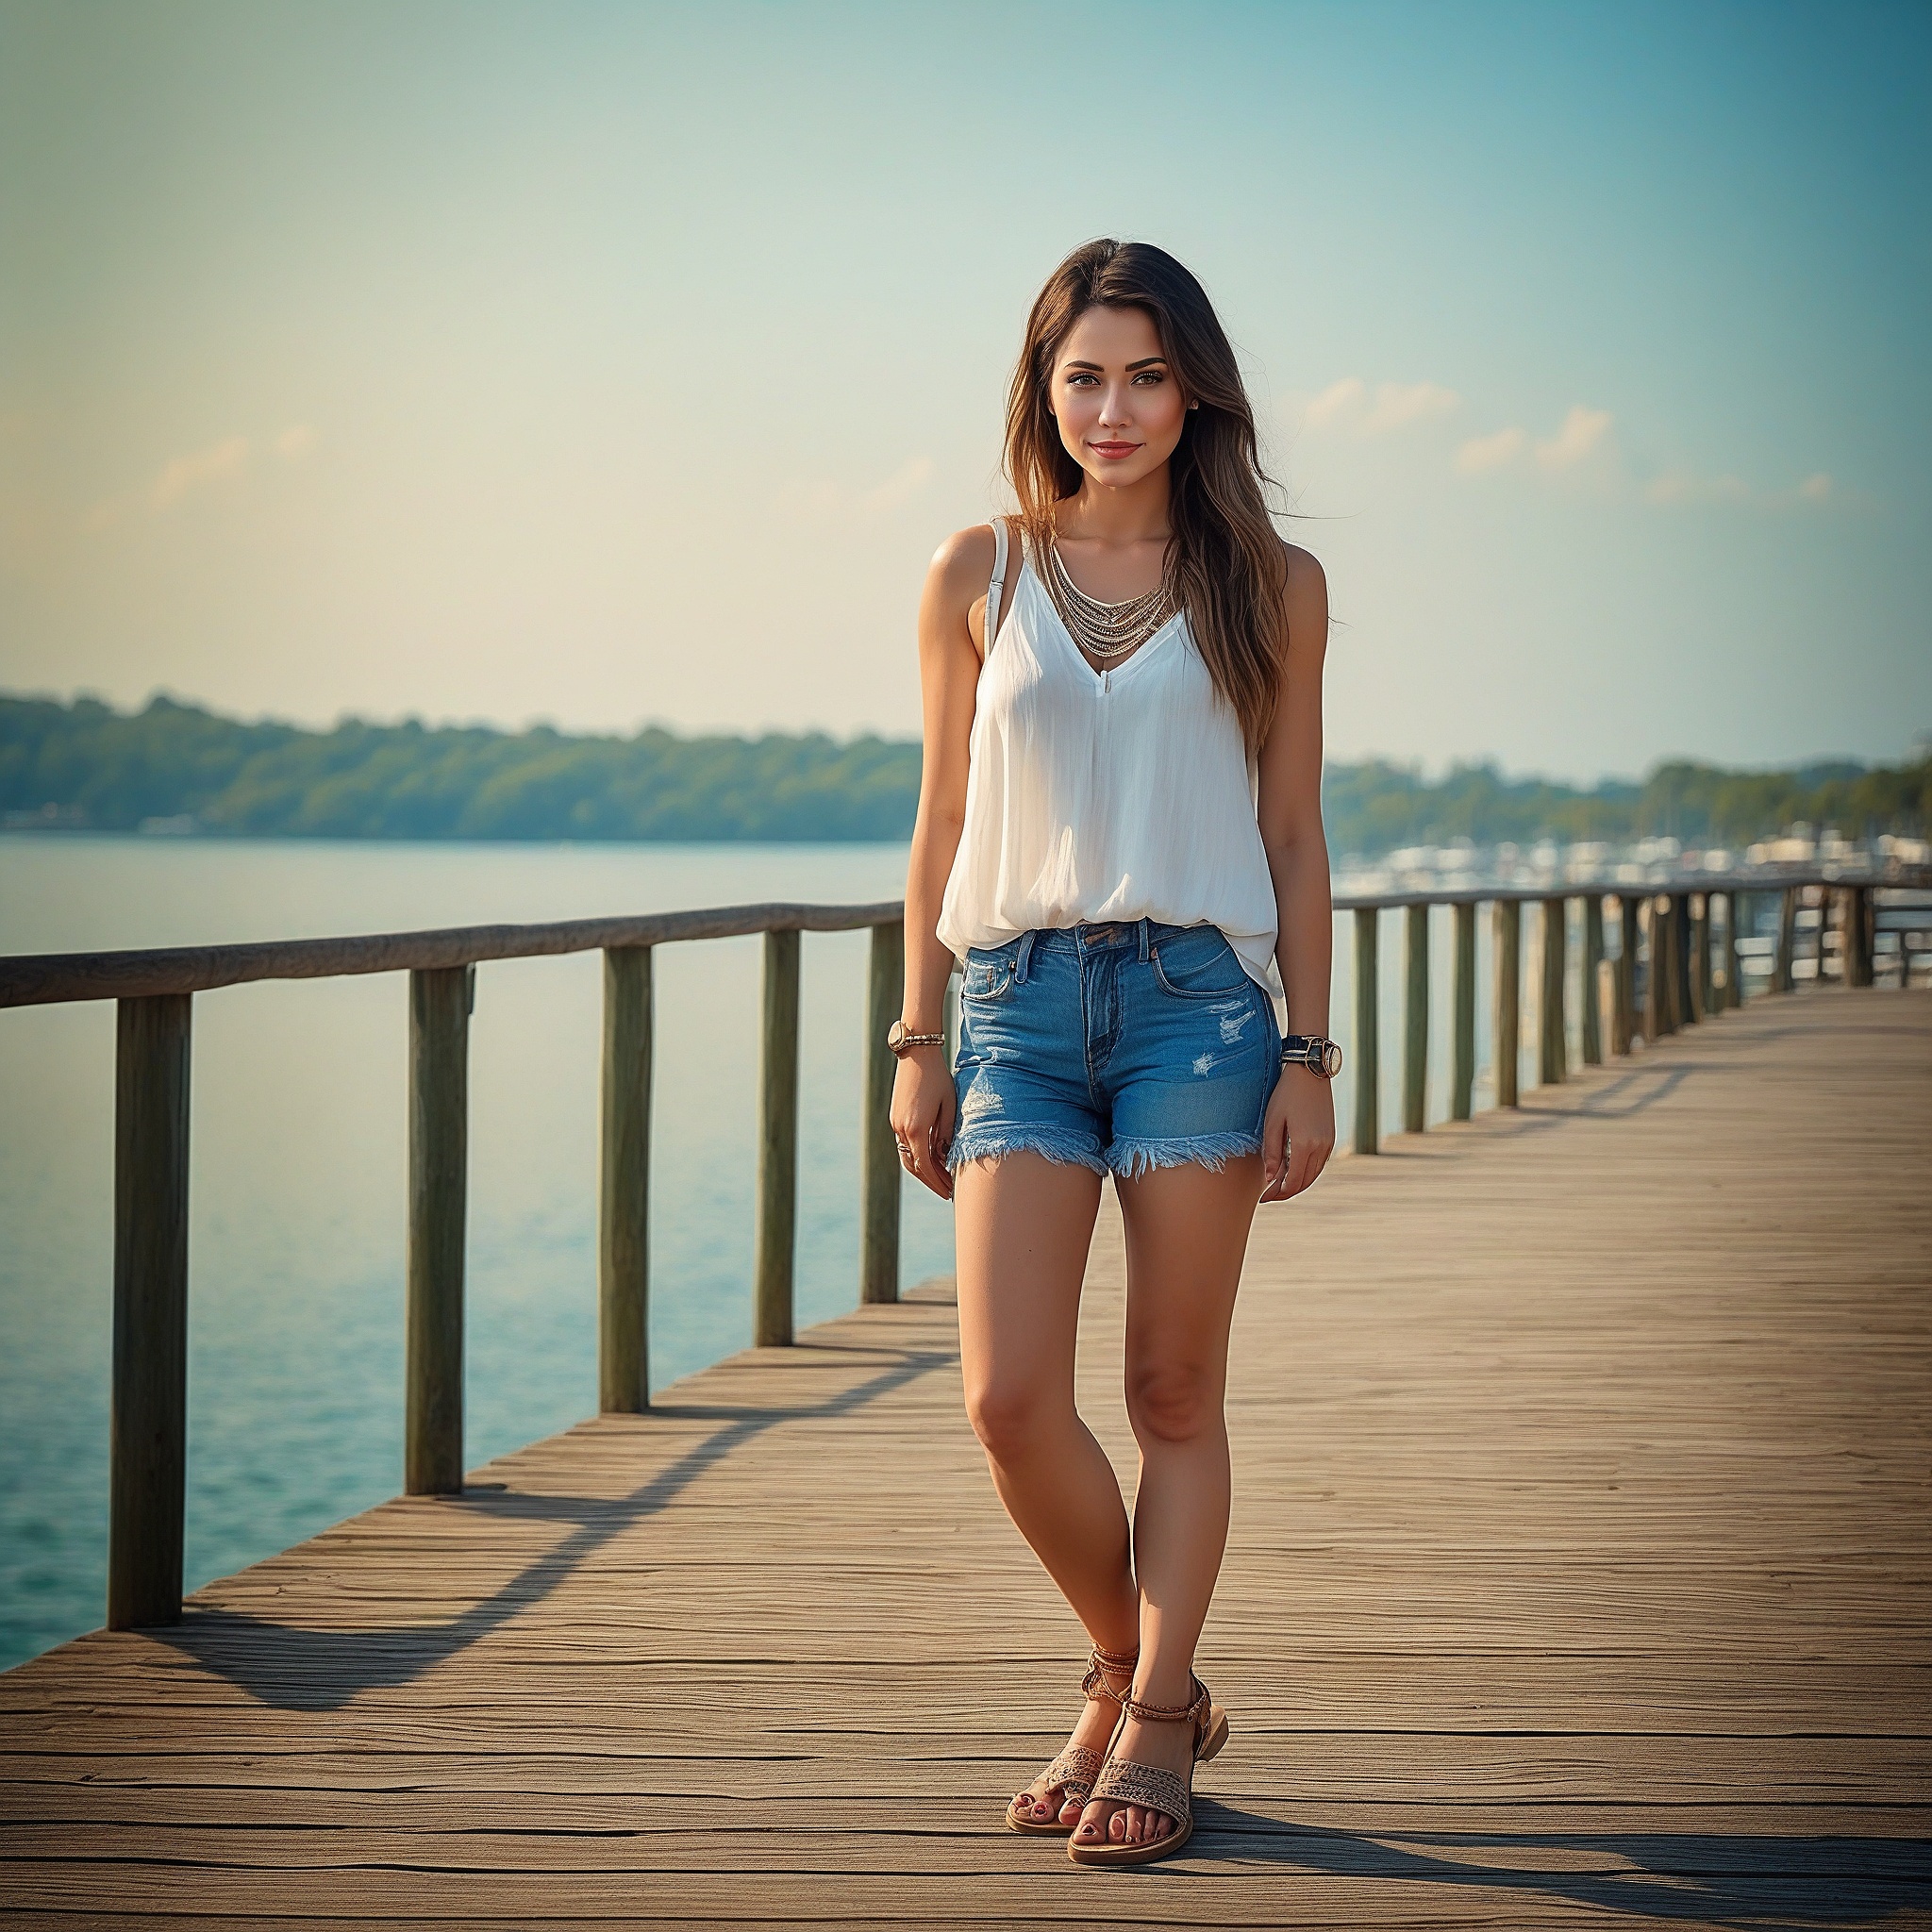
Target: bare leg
1022,1226
1187,1234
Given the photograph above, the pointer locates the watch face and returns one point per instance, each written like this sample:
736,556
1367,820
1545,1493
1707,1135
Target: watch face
895,1036
1331,1059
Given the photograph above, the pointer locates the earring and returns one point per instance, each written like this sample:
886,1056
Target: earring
1193,406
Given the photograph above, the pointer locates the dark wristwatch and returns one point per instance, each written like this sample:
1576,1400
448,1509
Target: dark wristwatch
1312,1051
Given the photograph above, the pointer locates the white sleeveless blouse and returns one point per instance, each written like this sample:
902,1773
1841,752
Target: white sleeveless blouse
1098,795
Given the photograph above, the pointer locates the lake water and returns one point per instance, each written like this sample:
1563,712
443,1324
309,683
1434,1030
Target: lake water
297,1234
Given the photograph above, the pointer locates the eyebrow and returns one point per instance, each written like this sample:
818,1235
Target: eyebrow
1146,362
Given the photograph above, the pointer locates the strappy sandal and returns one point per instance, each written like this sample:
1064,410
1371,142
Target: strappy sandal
1072,1774
1123,1782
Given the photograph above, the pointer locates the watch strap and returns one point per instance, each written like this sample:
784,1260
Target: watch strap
1313,1050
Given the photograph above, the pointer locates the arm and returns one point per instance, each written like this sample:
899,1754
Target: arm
922,1098
1299,1134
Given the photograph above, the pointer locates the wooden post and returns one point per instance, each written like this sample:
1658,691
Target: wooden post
1507,970
1367,1071
1734,971
1855,934
1683,1009
1415,1045
1782,978
1553,1055
1624,1029
1462,1073
778,1209
624,1220
1593,962
1701,1006
1657,971
147,1453
878,1243
439,1154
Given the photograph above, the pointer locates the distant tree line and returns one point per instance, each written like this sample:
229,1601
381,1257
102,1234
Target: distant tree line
87,764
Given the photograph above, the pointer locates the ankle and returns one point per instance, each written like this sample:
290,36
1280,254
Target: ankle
1161,1688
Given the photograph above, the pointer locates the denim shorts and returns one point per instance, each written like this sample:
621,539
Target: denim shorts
1121,1047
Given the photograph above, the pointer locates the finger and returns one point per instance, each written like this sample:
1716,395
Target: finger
928,1171
1305,1169
1273,1174
1279,1173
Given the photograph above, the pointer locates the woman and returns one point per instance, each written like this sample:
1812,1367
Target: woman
1120,836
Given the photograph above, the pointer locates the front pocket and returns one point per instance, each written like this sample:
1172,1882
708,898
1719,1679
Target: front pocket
987,976
1191,968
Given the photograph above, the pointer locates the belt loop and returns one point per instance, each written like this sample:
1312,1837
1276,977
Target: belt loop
1146,939
1023,956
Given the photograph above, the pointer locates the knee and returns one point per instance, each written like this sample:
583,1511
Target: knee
1008,1415
1172,1402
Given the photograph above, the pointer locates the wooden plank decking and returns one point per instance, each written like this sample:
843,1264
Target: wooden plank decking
1578,1576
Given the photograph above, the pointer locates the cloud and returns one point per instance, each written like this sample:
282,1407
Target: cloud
826,499
1484,452
1679,487
1583,429
1578,436
1398,404
905,483
297,440
180,474
1338,400
1346,404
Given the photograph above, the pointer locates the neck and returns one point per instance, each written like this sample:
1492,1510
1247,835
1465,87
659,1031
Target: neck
1133,513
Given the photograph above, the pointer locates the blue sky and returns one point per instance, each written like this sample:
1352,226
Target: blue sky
607,363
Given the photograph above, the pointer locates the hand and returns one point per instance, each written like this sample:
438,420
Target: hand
923,1105
1298,1134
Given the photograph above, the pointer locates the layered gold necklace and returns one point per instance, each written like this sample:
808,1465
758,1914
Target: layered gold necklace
1107,630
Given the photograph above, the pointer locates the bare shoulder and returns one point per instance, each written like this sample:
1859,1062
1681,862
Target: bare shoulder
1308,601
1304,574
962,564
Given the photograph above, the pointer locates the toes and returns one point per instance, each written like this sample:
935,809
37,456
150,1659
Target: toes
1117,1826
1071,1810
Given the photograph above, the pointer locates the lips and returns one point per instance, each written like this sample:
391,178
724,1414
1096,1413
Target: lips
1113,451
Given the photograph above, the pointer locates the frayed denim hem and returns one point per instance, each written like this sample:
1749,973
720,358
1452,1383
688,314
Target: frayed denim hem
995,1143
1130,1160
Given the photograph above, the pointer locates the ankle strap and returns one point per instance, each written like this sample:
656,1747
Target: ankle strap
1109,1662
1169,1714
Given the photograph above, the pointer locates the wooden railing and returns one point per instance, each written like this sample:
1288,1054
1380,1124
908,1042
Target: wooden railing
156,989
1661,979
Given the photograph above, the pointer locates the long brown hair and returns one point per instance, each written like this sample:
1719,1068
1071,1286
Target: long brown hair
1226,558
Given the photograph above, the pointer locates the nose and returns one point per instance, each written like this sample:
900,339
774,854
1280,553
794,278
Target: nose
1116,407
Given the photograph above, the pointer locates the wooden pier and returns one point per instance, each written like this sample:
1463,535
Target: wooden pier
1579,1575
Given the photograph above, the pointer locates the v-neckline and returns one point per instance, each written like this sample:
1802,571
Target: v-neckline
1100,674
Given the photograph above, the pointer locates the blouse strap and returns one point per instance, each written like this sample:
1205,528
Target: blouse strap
997,584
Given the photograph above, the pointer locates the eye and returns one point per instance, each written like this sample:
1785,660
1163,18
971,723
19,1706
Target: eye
1082,378
1150,376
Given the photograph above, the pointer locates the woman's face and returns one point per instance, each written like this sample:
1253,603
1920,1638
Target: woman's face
1119,407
